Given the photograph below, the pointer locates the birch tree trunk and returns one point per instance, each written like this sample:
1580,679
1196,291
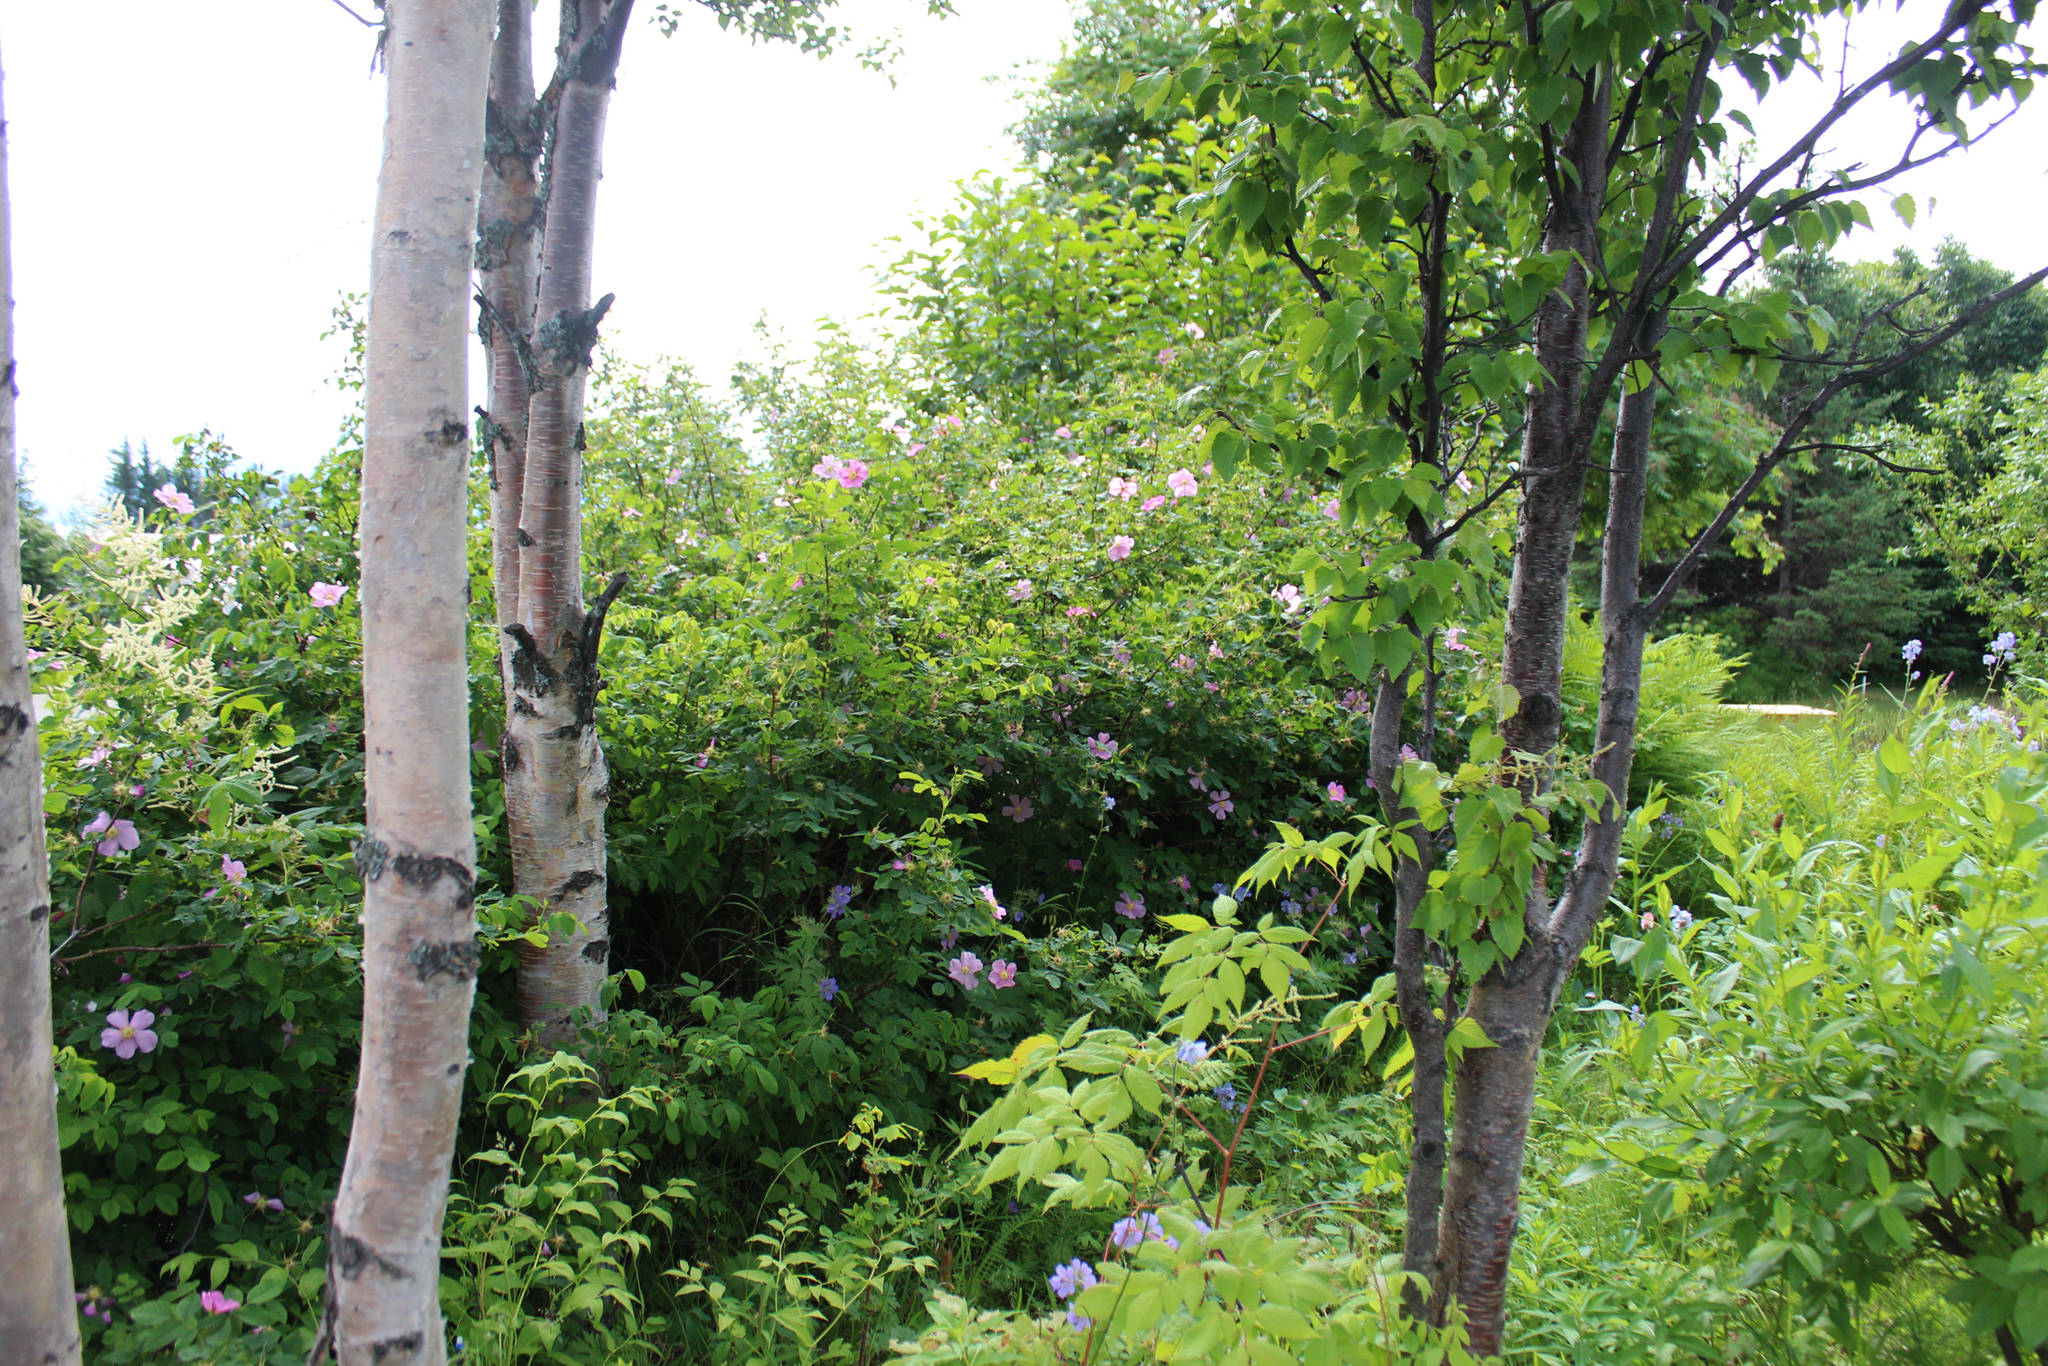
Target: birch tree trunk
508,262
38,1319
556,785
417,856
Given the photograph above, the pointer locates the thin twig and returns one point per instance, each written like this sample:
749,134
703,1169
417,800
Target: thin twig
366,23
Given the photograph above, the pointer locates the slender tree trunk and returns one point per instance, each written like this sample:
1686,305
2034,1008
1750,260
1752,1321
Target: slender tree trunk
555,781
1494,1090
1413,1001
1553,472
38,1319
508,265
417,856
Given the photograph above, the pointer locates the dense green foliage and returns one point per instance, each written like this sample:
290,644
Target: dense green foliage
1000,903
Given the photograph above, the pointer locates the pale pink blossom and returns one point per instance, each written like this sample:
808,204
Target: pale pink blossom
1183,484
1336,791
1063,432
1194,331
1020,591
1121,547
176,499
1153,504
327,594
233,869
1167,355
1331,509
1120,487
1289,597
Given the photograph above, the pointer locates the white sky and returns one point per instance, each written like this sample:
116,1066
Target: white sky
192,189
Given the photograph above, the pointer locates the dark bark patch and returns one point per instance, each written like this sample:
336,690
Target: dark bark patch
38,914
352,1255
522,707
526,537
568,339
372,856
1538,713
13,720
596,949
508,748
531,672
568,732
457,959
451,433
408,1343
424,870
576,882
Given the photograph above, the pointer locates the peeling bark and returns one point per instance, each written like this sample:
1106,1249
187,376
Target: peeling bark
418,855
38,1319
556,785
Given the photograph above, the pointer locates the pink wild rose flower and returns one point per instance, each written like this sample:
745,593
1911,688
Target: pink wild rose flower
128,1034
1182,483
176,499
1002,973
966,969
1121,547
327,594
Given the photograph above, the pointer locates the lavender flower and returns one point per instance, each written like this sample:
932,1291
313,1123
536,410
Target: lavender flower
1071,1279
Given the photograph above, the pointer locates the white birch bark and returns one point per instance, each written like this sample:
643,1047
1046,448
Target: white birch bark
417,856
556,785
38,1319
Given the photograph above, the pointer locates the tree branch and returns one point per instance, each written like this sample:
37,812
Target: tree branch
1788,440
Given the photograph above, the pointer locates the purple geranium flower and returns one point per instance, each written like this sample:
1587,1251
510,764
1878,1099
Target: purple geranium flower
1070,1280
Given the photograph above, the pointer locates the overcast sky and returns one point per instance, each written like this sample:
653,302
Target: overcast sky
192,190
